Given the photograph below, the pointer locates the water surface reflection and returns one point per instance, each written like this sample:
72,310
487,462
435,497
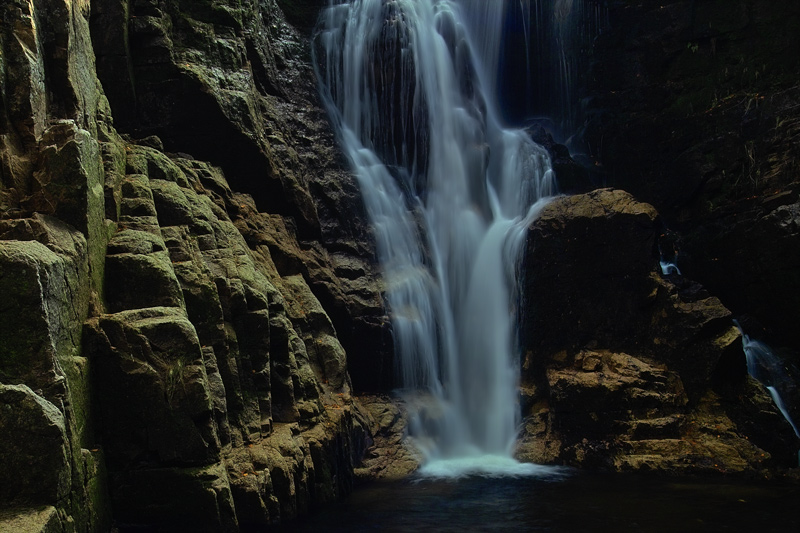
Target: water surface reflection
579,502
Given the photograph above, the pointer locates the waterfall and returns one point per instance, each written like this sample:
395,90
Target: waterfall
410,88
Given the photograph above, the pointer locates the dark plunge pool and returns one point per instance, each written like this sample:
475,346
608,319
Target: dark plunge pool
575,502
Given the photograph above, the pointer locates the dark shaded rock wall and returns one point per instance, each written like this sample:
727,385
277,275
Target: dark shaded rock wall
179,267
694,107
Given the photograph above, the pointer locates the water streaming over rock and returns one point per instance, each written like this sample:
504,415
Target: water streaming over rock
410,87
766,367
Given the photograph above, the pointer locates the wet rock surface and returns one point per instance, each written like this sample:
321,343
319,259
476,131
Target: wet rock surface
390,455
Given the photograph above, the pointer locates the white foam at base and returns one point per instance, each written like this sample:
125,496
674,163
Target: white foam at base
492,466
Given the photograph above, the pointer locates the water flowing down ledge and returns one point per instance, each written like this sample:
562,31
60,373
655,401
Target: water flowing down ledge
409,85
767,368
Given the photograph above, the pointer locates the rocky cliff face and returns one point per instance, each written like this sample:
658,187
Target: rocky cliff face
172,346
231,83
692,106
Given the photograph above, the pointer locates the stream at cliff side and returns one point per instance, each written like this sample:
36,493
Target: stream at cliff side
579,502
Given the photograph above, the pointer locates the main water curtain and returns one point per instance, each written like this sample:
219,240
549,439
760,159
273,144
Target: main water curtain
409,85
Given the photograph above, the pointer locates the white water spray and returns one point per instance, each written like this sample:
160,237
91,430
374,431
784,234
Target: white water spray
668,268
409,85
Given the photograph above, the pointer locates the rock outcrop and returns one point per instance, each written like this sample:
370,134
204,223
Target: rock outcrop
626,369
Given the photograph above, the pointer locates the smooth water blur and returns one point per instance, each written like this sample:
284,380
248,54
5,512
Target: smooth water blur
546,56
576,503
410,87
668,268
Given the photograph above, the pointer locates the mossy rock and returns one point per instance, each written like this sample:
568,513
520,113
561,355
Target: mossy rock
34,451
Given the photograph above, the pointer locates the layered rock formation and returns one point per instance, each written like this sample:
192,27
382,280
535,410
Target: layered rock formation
626,369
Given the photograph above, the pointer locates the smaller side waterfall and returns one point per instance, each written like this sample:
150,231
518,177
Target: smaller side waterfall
766,367
668,253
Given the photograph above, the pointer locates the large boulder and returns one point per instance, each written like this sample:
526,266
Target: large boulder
628,369
586,251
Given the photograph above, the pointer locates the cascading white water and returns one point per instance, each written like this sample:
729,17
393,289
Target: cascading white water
409,85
